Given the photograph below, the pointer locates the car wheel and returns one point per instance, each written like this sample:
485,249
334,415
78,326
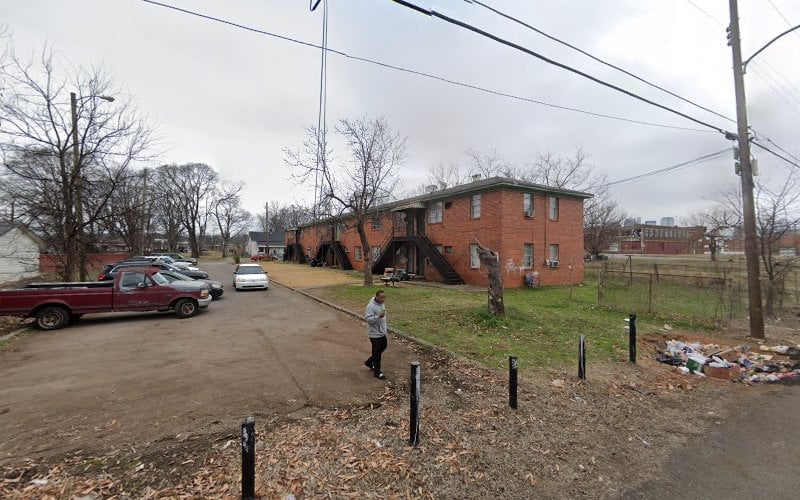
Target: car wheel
186,308
52,318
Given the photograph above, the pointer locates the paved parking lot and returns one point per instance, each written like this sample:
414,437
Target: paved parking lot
119,380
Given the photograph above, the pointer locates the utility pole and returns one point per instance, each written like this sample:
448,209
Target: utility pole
78,183
266,227
748,205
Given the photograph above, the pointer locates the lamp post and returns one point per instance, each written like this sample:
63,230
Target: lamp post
79,243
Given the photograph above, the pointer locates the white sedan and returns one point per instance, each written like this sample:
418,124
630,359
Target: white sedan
250,276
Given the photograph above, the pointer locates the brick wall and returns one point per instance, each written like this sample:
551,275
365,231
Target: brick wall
502,226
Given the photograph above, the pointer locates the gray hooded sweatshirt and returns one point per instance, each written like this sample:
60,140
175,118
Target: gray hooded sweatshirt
376,326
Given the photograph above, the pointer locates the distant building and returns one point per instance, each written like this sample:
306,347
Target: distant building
658,239
631,221
19,252
652,222
261,242
668,221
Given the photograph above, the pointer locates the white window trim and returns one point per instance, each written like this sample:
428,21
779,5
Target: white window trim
471,263
533,251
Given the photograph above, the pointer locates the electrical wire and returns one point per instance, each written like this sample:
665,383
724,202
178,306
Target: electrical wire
597,59
768,150
508,43
685,164
780,13
422,73
780,148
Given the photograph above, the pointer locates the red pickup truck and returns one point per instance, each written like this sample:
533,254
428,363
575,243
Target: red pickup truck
54,305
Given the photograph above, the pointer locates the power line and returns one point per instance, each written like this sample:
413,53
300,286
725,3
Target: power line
780,148
508,43
597,59
421,73
780,13
768,150
685,164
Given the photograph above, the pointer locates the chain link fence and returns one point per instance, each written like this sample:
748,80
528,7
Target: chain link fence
702,299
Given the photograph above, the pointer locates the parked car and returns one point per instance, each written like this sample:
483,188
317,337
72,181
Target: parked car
216,287
54,305
179,258
250,276
109,274
258,256
182,264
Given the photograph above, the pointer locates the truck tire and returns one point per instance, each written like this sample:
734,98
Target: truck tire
52,318
186,308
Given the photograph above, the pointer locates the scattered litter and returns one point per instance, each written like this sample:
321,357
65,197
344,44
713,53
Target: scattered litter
39,482
739,364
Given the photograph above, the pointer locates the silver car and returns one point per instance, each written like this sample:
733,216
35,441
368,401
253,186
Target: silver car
250,276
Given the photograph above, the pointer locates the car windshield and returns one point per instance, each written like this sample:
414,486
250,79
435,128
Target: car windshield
250,270
178,277
159,279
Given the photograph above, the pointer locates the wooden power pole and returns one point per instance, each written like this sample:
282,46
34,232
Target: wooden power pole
748,204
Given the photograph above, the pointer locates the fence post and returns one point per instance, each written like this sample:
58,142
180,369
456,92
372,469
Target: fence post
650,296
582,358
512,381
632,338
600,275
249,458
413,439
730,299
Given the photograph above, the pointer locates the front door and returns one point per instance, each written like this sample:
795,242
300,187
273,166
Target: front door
420,214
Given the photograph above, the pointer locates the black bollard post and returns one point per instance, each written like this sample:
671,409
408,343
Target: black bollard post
414,390
249,458
632,338
582,358
512,381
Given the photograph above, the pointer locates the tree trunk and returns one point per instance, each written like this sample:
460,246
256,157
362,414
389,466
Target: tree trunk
491,260
362,233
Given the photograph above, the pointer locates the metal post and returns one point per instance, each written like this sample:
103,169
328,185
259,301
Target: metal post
748,205
582,358
632,338
513,364
414,390
249,458
650,296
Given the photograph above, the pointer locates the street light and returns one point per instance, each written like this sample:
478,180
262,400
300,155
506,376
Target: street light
76,171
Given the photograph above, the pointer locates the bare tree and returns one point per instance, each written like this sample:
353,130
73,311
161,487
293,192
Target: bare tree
354,188
193,186
716,221
602,218
166,212
495,295
489,164
231,218
38,154
130,212
566,172
283,217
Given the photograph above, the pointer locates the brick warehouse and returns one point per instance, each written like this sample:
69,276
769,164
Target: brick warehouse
537,230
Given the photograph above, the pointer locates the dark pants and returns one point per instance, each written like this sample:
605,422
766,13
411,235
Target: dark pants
378,346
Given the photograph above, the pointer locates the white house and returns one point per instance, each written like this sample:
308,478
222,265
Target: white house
272,243
19,253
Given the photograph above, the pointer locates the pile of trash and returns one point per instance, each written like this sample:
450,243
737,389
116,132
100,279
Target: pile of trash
739,364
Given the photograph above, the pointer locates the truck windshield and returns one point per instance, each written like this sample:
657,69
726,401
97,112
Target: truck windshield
159,279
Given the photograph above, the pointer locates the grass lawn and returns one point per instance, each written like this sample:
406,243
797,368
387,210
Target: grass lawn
541,325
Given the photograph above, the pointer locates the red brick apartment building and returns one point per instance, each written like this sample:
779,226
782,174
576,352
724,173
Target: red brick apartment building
536,229
665,240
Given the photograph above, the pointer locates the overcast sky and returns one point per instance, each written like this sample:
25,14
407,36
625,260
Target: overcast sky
235,99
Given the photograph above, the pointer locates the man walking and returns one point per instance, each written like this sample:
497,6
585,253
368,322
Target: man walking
375,315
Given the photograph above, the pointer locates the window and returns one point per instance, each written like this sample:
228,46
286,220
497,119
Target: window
527,204
474,260
359,253
553,208
376,252
376,222
527,256
448,204
439,248
132,280
475,207
435,212
448,249
553,253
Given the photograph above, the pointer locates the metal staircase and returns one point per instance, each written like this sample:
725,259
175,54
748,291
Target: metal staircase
428,249
338,251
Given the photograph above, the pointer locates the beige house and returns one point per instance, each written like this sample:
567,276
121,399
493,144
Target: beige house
19,253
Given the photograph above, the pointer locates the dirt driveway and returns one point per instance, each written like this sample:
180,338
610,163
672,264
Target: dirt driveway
117,381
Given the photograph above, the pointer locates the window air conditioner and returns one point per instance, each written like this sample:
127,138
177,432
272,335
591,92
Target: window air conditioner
554,264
